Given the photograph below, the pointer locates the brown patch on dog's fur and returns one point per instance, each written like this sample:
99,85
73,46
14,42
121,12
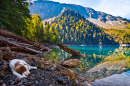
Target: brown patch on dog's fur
17,63
19,68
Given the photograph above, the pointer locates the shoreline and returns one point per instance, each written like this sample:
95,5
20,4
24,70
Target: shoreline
122,45
47,73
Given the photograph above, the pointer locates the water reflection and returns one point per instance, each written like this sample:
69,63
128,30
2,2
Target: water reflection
114,80
100,62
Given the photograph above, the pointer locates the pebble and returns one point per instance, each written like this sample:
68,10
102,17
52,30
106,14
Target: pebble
38,77
48,69
19,84
4,67
59,80
12,82
3,84
22,85
36,82
57,69
1,81
2,74
23,80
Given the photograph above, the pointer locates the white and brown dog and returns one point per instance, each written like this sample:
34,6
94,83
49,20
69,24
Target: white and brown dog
20,68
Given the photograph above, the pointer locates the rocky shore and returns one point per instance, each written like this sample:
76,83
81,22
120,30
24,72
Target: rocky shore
47,74
13,46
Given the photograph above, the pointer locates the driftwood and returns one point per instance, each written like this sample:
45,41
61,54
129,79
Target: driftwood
70,50
19,38
17,47
74,53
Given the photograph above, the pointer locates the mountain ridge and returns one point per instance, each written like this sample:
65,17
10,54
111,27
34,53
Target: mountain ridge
49,9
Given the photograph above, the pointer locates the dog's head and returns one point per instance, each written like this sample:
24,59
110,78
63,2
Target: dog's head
22,69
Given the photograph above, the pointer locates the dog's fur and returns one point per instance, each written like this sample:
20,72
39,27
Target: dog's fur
20,68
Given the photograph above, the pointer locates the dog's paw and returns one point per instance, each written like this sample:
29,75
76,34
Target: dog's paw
35,67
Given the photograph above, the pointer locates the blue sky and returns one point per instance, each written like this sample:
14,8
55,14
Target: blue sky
113,7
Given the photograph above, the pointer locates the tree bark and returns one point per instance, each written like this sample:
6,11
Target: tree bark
19,38
70,50
18,47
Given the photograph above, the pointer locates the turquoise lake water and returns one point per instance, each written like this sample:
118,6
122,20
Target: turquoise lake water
97,55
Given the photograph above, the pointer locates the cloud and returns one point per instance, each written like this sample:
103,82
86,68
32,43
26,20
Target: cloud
115,7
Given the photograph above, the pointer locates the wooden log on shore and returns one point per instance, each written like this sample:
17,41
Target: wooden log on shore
18,47
70,50
19,38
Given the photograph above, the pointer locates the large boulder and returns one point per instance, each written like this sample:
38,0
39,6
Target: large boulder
67,72
71,62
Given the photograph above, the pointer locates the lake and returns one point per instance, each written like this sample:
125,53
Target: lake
102,62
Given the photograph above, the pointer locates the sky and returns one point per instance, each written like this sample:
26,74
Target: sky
113,7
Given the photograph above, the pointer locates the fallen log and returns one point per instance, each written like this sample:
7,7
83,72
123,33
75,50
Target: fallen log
75,53
18,47
9,34
70,50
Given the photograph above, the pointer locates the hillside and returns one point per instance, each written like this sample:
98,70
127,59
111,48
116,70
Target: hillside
49,9
73,28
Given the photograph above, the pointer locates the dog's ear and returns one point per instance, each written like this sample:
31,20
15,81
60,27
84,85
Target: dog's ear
20,69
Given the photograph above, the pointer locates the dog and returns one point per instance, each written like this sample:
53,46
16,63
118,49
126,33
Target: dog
20,68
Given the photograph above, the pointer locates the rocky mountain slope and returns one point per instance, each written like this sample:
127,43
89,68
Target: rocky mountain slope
49,9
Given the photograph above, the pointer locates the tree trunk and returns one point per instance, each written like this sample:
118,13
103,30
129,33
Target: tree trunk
70,50
17,47
19,38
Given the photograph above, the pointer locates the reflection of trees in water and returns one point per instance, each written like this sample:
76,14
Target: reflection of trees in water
117,62
116,58
55,55
121,53
86,63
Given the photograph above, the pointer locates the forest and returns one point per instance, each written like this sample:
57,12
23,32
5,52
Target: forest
15,17
73,28
68,28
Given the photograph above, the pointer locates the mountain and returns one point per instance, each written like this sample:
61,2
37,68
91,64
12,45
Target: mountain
73,28
49,9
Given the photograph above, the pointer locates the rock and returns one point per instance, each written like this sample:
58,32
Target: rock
68,73
36,82
1,54
59,80
4,67
8,55
57,69
71,62
86,83
3,84
48,69
1,81
5,62
41,66
23,80
54,67
8,49
19,84
2,74
13,82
